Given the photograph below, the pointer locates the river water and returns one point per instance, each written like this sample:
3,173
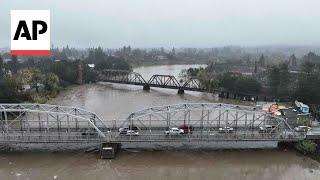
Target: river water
114,101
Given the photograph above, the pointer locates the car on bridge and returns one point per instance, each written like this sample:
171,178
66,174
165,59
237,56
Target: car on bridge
267,128
132,133
124,130
302,128
226,129
174,131
187,129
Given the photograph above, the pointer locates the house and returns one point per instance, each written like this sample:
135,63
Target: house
7,60
302,107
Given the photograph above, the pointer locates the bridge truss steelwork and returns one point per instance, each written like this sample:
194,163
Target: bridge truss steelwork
38,123
164,81
41,123
201,122
120,76
161,81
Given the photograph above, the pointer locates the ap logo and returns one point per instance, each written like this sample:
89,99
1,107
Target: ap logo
30,32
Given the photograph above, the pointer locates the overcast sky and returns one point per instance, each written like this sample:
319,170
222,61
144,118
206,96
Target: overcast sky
168,23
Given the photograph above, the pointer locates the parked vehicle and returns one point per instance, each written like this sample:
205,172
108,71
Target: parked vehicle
302,128
187,129
123,130
132,133
174,131
267,128
225,130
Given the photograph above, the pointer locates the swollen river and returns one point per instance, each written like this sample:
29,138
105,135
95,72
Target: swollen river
115,101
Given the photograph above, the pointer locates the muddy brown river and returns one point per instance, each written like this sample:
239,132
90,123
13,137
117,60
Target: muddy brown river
114,101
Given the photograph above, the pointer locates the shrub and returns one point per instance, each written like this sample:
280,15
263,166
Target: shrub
306,147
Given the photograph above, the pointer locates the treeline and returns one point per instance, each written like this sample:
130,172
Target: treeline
104,61
278,81
36,79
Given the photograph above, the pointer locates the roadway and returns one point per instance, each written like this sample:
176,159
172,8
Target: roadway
198,135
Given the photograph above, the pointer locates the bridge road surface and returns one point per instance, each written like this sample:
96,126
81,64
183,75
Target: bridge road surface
214,135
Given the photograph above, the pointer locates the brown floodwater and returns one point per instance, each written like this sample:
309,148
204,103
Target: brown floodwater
113,101
162,165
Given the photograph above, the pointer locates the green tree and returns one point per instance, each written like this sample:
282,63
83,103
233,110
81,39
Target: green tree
51,82
262,61
14,65
2,70
279,80
237,83
306,147
37,79
308,86
9,91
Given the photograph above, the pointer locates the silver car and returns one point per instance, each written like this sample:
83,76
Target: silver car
302,128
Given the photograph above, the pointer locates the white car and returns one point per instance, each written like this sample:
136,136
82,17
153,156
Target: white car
225,130
302,128
267,128
132,133
174,131
123,130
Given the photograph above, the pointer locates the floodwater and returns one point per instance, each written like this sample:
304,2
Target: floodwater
112,101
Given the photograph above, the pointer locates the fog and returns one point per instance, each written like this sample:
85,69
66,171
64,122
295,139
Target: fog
179,23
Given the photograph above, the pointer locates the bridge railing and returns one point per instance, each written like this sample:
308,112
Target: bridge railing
49,137
209,137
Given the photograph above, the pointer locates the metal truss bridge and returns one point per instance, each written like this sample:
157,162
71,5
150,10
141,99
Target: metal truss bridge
41,123
160,81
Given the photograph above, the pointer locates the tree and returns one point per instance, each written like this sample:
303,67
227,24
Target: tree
308,86
237,83
51,82
37,79
103,61
14,64
311,57
279,80
9,91
2,70
293,61
262,61
255,67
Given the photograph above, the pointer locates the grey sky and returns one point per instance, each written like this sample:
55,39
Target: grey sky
179,23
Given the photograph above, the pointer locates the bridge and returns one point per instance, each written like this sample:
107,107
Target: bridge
160,81
202,122
42,123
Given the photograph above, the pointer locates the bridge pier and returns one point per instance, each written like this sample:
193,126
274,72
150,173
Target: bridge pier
109,150
146,87
180,91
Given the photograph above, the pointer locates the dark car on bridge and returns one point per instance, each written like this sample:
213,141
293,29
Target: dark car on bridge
187,129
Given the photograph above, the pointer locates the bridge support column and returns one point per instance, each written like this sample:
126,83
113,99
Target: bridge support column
180,91
146,87
109,150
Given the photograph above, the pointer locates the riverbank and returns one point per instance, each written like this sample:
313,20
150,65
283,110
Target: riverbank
307,148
